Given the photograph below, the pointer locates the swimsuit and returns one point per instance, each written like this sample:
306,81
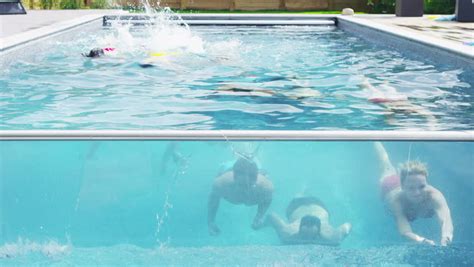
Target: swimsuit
389,183
303,201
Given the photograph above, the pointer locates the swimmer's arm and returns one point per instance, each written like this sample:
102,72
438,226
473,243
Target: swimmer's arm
367,85
332,236
213,202
329,236
403,225
266,200
444,216
262,208
213,206
280,227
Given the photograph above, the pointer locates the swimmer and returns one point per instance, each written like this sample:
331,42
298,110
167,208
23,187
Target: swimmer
172,154
308,223
409,197
248,90
243,90
301,93
241,185
147,63
396,102
99,52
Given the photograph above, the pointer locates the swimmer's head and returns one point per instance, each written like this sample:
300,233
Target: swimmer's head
245,172
310,227
96,52
413,180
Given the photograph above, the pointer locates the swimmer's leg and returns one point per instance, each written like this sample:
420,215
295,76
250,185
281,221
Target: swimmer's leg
168,156
387,167
367,85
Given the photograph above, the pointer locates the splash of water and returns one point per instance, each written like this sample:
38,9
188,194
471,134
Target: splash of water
165,34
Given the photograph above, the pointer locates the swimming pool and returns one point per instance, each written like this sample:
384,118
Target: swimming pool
110,191
250,78
129,202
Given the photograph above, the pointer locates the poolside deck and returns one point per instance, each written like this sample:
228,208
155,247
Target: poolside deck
36,19
451,31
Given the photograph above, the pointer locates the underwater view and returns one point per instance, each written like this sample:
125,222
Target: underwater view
172,76
70,198
154,203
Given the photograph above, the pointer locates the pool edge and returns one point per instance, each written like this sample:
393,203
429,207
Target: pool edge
9,43
237,135
413,42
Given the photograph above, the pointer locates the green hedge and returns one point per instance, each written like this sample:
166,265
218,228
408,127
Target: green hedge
431,6
440,6
70,4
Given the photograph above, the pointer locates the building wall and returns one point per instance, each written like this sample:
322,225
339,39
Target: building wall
259,4
206,4
307,5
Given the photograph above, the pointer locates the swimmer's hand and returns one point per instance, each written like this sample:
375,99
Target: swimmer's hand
446,240
213,229
426,241
346,229
258,223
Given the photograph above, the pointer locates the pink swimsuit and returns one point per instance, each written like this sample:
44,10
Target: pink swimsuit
389,183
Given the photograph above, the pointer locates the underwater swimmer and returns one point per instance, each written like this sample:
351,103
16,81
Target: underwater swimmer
249,90
243,184
397,103
308,223
409,196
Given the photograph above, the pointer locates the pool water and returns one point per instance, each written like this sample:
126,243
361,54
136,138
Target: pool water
131,203
246,78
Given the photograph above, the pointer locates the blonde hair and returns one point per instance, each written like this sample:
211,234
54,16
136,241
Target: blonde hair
412,167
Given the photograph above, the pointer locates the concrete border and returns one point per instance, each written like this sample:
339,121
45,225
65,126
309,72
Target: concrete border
405,40
366,29
13,41
224,135
246,22
229,19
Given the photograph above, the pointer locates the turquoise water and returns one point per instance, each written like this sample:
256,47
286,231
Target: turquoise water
278,78
128,203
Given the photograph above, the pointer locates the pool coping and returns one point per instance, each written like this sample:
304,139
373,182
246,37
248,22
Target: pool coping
237,135
456,49
10,42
